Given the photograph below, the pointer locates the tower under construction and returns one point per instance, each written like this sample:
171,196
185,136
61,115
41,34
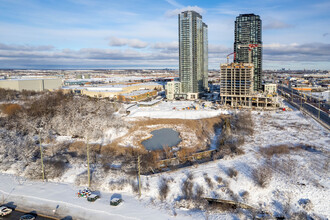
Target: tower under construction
247,33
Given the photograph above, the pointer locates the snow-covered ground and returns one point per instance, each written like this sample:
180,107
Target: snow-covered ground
296,177
176,109
62,198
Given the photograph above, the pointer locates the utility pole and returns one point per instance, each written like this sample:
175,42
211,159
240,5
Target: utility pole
319,107
139,174
300,100
42,159
88,169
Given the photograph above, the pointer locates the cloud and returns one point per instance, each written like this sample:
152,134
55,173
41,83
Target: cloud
166,45
85,57
175,12
135,43
325,34
161,54
275,24
213,48
315,52
25,47
174,3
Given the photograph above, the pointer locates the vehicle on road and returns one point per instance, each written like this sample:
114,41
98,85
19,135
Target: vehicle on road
92,198
5,211
28,216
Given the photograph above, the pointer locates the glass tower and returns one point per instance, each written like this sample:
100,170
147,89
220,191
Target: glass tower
193,52
248,31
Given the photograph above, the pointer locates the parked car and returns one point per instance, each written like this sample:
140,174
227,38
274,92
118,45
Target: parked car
28,216
5,211
115,201
92,198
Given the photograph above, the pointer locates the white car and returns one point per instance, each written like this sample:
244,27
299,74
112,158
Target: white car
5,211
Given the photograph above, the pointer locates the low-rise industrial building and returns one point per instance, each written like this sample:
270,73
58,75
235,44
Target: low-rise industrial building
125,92
31,84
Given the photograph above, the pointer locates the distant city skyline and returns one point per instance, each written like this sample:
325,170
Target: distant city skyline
86,34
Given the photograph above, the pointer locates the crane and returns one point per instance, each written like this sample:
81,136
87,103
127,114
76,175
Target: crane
250,46
229,55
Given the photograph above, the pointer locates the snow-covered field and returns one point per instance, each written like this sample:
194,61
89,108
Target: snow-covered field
174,109
62,198
298,181
299,176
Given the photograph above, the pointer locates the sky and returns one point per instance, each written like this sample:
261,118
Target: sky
112,34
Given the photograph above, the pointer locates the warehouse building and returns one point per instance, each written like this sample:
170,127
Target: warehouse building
31,84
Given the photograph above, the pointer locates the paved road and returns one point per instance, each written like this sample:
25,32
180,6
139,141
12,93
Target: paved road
311,100
15,215
307,105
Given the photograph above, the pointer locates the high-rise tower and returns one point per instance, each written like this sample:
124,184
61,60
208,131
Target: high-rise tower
248,31
193,52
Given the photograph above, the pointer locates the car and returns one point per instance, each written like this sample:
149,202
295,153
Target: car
5,211
28,216
92,198
115,201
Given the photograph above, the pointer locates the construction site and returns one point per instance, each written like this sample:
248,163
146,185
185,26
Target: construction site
238,88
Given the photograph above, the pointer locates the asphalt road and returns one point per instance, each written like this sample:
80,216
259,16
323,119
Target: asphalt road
15,215
309,106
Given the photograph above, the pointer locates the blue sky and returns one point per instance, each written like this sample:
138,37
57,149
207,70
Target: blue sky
143,33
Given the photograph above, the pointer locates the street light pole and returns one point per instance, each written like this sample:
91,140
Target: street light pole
319,107
42,159
88,169
139,173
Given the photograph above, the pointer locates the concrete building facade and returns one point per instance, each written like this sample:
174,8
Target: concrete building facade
236,84
237,88
31,84
248,30
270,88
172,88
132,92
193,53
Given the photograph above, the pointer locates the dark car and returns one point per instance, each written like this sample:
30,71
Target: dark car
115,201
92,198
28,216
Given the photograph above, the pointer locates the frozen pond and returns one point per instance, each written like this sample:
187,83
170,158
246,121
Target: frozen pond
162,137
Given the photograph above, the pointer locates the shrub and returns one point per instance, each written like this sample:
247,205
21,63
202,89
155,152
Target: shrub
275,150
232,172
10,109
149,161
244,194
243,123
262,176
208,181
163,189
218,179
33,170
190,176
79,147
135,186
199,192
187,189
54,168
